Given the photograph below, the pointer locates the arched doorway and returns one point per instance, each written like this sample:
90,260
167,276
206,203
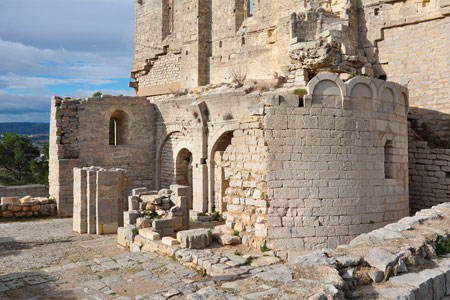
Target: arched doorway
183,170
218,181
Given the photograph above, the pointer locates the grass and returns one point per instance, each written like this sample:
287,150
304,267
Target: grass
202,272
236,233
264,247
300,92
237,253
442,246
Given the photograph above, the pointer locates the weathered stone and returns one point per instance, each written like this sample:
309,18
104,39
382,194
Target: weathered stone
380,259
376,275
229,239
133,203
277,273
207,293
169,241
150,234
143,222
265,261
315,258
10,200
195,238
130,217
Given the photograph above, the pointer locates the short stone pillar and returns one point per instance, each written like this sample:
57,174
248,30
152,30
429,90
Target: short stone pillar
79,200
99,200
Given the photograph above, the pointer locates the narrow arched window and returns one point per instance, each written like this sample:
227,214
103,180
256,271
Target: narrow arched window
112,132
118,128
389,167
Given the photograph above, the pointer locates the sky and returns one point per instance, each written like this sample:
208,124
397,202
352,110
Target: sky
67,48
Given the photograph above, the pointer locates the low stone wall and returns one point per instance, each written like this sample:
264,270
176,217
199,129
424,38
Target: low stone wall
34,190
12,207
429,175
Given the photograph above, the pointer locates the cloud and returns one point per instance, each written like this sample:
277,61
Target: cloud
17,104
75,25
62,47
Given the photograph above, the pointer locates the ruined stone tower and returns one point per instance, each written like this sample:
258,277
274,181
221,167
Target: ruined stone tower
261,112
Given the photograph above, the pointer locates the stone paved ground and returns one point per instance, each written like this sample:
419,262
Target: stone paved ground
45,260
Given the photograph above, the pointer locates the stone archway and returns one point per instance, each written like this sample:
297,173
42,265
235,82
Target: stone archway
183,171
217,178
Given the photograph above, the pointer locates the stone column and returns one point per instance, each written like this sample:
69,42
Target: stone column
79,201
91,199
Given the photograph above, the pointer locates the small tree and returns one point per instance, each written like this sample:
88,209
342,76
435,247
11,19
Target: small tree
97,95
16,154
39,168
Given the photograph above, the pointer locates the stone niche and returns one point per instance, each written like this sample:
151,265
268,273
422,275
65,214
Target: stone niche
99,200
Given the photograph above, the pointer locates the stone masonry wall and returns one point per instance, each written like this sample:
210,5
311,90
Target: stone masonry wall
245,164
429,175
417,55
34,190
165,69
327,182
168,163
32,208
79,137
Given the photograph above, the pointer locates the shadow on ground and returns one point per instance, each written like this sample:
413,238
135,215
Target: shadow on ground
33,286
9,246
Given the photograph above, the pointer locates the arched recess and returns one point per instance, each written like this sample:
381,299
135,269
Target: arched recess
363,93
118,128
165,160
326,84
217,180
183,171
388,95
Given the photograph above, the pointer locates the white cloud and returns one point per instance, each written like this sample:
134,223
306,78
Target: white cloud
73,46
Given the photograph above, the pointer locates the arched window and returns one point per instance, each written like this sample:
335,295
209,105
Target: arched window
389,167
118,128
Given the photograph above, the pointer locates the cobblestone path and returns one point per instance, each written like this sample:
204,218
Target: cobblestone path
46,260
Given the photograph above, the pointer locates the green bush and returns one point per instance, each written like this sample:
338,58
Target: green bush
442,246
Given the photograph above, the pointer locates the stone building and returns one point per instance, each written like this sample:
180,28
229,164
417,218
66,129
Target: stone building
257,107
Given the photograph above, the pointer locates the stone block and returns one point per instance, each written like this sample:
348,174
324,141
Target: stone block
130,217
10,200
149,234
125,235
169,241
138,191
133,203
162,224
152,199
143,222
25,199
423,284
177,223
380,259
180,190
195,238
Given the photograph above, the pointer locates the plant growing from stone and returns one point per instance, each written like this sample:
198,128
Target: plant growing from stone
264,247
442,246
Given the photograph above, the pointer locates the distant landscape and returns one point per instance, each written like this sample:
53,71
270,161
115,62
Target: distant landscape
37,132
